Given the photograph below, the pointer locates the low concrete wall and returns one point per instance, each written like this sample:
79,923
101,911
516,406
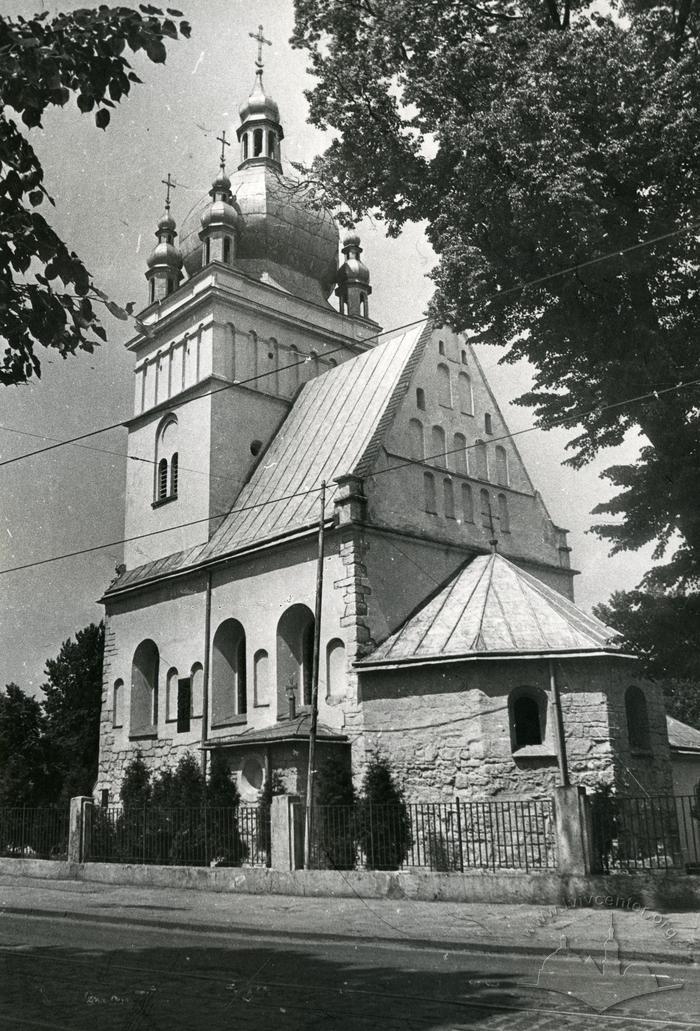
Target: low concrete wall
657,890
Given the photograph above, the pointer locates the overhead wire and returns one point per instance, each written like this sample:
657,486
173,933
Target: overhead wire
619,252
378,472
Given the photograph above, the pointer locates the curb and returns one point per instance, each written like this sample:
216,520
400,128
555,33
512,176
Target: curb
685,956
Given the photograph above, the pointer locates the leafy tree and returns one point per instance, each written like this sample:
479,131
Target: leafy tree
534,139
44,62
385,824
664,631
24,772
72,703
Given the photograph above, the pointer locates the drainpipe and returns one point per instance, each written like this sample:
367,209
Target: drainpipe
205,671
561,739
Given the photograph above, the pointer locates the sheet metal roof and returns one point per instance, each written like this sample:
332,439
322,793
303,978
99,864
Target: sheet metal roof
492,607
682,737
334,428
297,729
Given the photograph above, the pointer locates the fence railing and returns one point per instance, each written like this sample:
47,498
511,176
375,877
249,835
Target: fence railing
206,836
34,833
495,835
646,833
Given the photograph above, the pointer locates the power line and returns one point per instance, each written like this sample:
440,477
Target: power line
395,329
378,472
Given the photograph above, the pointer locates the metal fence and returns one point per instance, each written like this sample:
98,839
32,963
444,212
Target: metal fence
439,836
34,833
205,836
646,833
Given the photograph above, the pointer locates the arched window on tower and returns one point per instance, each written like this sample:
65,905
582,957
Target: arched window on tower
245,146
166,468
270,143
295,649
152,291
420,399
363,305
229,699
336,676
444,386
227,249
257,143
488,423
162,488
207,251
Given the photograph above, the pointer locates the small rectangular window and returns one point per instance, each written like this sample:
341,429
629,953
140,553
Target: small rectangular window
184,704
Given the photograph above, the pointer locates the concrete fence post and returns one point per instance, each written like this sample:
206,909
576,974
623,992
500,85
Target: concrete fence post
80,822
286,833
573,830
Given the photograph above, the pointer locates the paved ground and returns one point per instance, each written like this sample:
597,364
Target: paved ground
522,928
67,974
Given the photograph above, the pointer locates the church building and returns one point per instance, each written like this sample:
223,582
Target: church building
266,402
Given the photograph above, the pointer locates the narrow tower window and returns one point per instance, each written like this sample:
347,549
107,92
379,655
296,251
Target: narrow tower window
257,143
162,479
488,423
227,249
420,399
173,475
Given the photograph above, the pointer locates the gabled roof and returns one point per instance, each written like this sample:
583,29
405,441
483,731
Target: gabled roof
681,737
334,428
491,608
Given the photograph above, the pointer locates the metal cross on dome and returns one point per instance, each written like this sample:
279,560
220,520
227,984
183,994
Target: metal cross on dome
224,144
261,39
170,185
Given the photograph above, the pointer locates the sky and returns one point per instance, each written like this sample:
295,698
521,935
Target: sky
108,193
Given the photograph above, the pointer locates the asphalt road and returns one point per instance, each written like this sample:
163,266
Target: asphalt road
69,975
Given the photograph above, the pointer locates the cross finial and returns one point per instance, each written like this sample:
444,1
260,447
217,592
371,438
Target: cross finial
261,39
224,143
170,185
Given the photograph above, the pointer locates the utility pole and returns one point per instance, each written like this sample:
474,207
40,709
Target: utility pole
561,736
308,825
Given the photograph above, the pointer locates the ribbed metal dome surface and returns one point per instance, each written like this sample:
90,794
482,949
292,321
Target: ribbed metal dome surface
283,239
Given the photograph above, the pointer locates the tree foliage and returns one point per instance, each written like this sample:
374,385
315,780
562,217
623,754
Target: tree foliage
46,293
535,138
385,821
664,631
24,768
72,705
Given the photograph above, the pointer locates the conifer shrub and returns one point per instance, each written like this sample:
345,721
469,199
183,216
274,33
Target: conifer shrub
336,824
385,826
177,817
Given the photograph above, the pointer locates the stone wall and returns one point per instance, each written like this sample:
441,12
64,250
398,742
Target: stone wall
447,731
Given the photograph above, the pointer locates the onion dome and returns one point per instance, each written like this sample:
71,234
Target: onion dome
353,280
353,268
220,221
164,264
283,239
259,105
